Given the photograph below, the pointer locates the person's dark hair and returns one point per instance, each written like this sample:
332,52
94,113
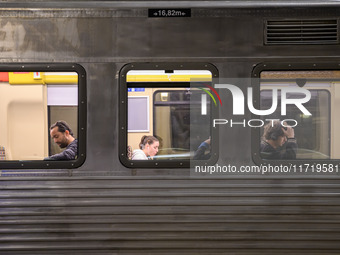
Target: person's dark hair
62,127
272,131
147,140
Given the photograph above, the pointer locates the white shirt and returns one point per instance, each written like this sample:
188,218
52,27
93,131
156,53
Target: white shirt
139,155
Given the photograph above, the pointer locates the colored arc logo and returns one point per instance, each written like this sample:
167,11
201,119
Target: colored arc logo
209,93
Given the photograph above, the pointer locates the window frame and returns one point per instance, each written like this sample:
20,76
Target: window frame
255,132
123,132
82,104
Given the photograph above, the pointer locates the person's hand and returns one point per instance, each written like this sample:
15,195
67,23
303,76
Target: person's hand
207,141
288,131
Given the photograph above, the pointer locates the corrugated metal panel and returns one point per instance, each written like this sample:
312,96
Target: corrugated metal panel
301,32
169,216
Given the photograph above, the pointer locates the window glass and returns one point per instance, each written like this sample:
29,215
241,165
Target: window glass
314,133
30,102
138,115
179,124
165,116
67,113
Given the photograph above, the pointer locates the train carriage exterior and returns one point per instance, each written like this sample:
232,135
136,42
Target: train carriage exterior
118,70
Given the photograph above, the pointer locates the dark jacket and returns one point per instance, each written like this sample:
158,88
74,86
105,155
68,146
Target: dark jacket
287,151
200,153
69,153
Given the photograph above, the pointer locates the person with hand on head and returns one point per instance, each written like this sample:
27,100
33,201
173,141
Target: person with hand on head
62,135
148,148
278,141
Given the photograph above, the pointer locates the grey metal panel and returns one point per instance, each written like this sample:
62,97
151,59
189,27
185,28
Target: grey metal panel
165,4
105,208
73,35
212,215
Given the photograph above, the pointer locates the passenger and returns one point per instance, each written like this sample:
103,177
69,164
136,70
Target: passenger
160,140
148,148
62,135
200,152
278,142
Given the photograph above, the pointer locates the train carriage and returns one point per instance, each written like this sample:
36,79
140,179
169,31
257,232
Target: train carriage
191,74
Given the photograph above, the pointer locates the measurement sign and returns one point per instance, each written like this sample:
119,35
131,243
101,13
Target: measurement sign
169,13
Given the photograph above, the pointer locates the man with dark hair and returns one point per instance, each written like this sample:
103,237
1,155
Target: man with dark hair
278,142
62,135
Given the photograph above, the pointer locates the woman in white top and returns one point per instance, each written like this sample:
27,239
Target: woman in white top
148,148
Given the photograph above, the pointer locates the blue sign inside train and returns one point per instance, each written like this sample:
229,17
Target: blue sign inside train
136,89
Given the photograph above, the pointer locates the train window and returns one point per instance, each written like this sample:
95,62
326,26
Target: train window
312,133
165,123
32,98
306,99
188,128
